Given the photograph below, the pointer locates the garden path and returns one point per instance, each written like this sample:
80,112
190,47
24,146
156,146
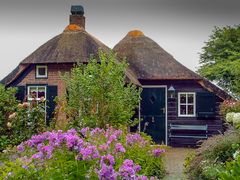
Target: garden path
174,160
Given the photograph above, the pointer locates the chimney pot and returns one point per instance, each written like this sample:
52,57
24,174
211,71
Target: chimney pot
77,16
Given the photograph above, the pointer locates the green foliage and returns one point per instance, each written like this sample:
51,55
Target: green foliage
70,158
210,158
29,120
97,93
232,171
229,106
19,121
187,161
220,59
11,168
8,105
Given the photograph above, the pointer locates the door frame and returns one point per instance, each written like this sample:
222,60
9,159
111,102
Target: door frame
166,110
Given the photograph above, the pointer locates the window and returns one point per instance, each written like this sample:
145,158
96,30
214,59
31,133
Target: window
36,93
41,71
186,104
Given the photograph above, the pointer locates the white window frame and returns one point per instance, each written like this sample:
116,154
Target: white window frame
38,98
37,71
187,104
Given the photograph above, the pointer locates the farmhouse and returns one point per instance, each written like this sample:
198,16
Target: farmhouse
178,106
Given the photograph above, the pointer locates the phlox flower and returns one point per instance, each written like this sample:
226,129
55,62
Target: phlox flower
108,160
142,178
72,132
128,170
73,142
90,152
48,150
107,173
21,148
135,138
96,131
111,139
84,131
103,147
38,155
157,152
119,148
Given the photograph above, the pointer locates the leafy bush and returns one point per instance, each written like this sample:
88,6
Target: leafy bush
229,106
8,105
232,170
95,154
28,119
210,158
234,119
97,94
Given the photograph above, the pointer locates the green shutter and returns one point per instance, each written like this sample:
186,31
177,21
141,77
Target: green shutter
205,104
51,94
20,95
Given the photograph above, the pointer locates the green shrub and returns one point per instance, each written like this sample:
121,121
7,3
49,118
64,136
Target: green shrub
97,94
232,171
94,154
212,155
8,104
229,106
29,120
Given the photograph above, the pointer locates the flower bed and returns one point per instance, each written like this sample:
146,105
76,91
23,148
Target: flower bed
89,153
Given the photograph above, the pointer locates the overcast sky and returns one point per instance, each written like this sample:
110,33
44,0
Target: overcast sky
179,26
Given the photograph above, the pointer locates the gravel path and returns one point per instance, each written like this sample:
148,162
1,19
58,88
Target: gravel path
174,159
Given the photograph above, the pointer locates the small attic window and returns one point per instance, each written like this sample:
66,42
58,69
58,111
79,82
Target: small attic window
41,71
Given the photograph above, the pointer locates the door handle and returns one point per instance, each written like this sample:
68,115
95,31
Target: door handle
153,119
163,110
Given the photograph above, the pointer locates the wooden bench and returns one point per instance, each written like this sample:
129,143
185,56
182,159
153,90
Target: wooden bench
197,132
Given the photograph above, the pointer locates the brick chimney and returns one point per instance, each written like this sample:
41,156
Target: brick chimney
77,16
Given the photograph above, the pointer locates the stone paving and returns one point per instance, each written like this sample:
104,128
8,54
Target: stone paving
174,159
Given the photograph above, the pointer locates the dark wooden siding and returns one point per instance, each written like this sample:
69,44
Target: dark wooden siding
215,124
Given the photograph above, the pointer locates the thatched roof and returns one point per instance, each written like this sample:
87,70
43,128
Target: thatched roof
10,76
148,60
71,46
151,62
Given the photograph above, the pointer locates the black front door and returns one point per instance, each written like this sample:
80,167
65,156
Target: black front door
153,113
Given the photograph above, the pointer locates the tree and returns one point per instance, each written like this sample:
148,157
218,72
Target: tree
220,59
97,93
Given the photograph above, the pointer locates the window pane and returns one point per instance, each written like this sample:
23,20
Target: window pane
190,109
41,92
42,71
182,98
190,98
32,92
183,109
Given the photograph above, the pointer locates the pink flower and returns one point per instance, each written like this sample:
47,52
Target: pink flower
90,152
119,148
103,147
157,152
20,148
128,170
108,160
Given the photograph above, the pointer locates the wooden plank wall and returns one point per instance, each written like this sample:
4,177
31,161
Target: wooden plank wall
215,124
